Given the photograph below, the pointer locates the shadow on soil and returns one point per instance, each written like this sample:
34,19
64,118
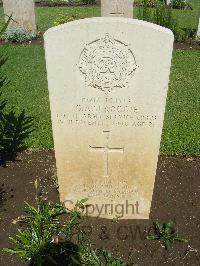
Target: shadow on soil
60,254
175,198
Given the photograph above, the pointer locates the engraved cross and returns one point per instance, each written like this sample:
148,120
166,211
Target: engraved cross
106,150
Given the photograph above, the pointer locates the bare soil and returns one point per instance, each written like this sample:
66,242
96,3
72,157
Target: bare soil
176,197
188,45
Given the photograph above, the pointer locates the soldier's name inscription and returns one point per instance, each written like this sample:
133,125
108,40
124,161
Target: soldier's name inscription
107,111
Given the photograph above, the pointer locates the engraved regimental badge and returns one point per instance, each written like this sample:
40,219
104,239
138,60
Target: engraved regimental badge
107,64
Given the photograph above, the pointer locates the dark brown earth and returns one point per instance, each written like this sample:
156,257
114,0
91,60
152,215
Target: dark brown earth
176,197
38,40
188,45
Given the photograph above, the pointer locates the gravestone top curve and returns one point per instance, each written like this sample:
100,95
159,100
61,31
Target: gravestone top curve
107,20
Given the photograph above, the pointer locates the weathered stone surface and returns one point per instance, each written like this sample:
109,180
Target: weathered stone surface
198,30
117,8
107,89
23,14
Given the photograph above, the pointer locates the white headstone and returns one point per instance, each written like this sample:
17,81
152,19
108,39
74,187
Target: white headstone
108,88
23,14
198,30
117,8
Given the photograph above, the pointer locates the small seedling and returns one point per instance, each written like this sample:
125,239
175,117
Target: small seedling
166,234
111,261
3,29
45,239
55,182
39,225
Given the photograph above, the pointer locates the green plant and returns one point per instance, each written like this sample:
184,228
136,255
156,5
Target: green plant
181,4
14,128
51,2
61,19
166,234
74,219
3,82
147,3
45,240
197,39
3,79
109,260
144,12
89,2
90,256
40,224
55,182
86,254
162,15
3,29
18,35
180,35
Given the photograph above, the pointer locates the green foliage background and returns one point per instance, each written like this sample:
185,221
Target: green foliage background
47,15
